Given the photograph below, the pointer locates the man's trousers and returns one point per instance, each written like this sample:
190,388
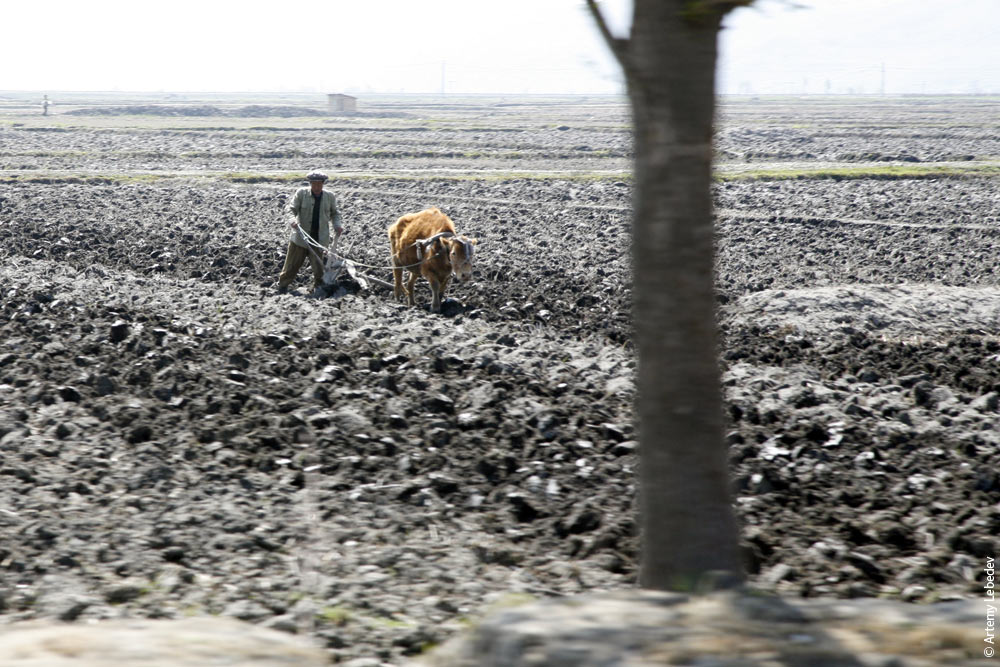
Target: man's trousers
293,262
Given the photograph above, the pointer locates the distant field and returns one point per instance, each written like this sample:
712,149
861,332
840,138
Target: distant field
757,138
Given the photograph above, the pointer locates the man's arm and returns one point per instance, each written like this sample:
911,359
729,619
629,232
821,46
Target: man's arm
296,204
335,220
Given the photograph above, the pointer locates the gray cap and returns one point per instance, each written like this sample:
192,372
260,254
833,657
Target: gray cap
316,176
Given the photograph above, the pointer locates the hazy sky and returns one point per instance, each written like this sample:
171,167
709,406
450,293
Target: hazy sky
469,46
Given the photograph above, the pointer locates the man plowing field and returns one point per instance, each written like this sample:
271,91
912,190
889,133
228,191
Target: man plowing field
315,210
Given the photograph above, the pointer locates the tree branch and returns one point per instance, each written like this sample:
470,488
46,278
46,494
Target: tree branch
618,45
710,12
725,5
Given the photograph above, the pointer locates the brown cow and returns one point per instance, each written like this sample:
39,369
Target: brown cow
425,244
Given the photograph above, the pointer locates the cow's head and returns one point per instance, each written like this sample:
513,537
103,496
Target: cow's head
460,250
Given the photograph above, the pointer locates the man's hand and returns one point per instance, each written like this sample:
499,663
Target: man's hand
293,223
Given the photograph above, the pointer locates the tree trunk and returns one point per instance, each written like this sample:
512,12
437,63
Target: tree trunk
689,533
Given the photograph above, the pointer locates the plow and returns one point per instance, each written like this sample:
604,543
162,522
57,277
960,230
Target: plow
340,272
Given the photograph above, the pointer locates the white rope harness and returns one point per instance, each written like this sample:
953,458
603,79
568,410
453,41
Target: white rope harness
421,245
312,243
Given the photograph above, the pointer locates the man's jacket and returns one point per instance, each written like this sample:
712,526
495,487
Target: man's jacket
301,207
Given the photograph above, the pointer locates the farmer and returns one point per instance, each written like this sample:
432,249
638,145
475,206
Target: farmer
315,210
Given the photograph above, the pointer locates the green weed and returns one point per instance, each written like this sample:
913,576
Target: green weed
339,616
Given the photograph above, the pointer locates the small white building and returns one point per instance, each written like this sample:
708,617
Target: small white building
339,102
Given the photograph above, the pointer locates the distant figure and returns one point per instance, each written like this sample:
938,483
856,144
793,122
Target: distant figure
45,106
314,210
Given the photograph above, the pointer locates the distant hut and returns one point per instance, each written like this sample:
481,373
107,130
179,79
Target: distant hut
339,102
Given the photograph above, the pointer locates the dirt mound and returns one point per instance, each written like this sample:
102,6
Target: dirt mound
148,110
648,629
201,110
251,111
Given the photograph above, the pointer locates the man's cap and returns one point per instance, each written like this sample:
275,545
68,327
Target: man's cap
317,176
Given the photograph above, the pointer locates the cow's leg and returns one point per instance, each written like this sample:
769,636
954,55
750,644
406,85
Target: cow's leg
397,279
411,288
435,294
444,286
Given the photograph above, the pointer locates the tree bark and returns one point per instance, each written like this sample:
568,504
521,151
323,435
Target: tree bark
690,540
